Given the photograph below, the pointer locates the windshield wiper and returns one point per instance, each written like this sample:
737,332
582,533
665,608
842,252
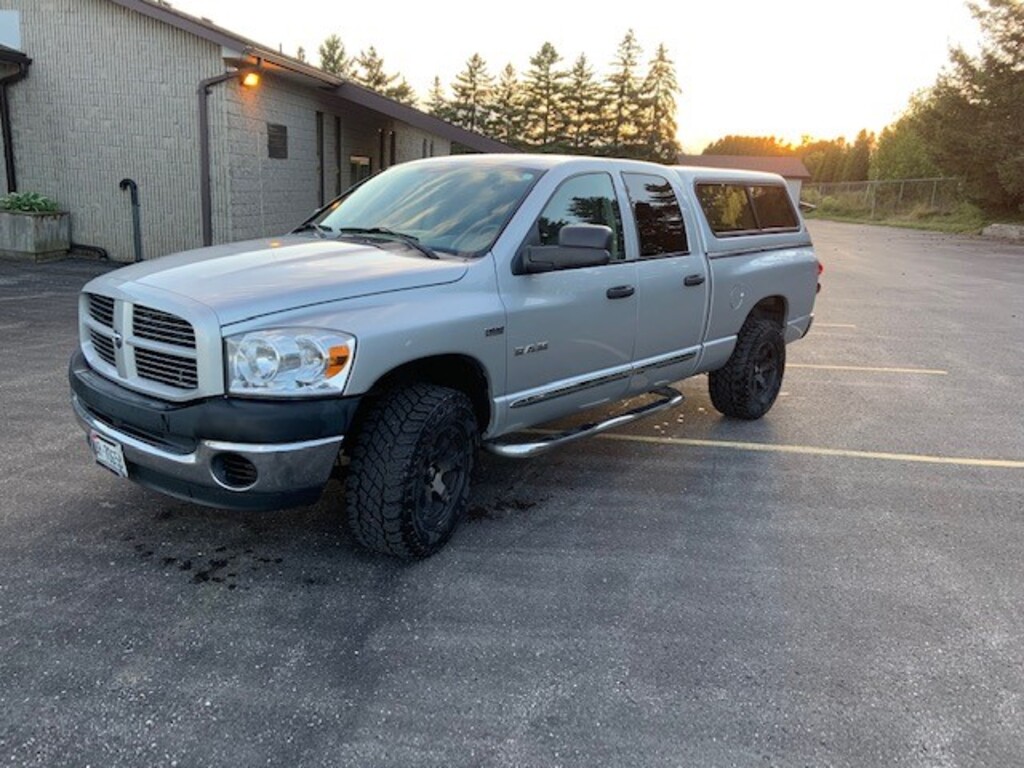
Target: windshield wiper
390,233
310,226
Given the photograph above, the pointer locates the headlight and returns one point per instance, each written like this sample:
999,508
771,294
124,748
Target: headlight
288,362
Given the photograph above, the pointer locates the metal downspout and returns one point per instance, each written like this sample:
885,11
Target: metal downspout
205,195
5,123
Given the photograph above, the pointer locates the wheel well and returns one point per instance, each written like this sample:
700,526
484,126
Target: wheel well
454,371
773,308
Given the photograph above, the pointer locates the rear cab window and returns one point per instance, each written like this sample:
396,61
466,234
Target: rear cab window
736,209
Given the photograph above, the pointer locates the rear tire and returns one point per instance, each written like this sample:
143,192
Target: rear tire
747,385
407,485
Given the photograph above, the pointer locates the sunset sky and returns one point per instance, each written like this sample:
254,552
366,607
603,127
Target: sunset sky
781,67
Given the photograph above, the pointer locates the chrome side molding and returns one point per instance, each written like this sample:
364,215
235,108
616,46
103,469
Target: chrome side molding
668,398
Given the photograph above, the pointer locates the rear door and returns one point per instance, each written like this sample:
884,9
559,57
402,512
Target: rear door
672,288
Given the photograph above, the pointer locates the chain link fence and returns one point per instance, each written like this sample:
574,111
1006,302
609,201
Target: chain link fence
901,198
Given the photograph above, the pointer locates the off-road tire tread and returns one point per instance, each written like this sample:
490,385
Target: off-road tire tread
377,488
730,387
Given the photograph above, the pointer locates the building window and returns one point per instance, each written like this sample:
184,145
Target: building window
424,148
359,168
277,141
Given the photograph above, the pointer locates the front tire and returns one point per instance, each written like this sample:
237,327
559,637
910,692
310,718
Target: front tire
747,385
407,485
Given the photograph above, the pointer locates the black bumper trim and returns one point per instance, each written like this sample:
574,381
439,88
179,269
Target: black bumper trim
179,426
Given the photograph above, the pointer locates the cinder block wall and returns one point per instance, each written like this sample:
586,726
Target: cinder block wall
112,94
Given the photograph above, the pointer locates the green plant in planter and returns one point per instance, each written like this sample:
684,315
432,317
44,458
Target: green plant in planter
27,202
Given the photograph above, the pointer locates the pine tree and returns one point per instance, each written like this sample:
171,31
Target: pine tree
471,93
583,107
507,108
623,93
437,101
371,73
544,88
333,58
657,121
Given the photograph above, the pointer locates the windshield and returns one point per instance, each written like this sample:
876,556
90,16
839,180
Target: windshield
451,207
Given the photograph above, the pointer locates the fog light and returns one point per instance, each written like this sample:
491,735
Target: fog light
233,471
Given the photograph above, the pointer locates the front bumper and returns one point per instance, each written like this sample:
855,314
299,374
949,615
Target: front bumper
288,447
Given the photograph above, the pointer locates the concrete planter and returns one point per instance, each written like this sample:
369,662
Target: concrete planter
34,236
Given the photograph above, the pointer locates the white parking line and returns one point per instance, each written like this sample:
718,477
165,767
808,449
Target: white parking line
807,450
869,369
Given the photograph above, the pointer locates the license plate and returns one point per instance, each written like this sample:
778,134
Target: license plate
108,454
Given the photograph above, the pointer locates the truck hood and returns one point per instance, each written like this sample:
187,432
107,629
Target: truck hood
239,281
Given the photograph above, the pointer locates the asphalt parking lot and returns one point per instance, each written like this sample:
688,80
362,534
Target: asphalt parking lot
839,584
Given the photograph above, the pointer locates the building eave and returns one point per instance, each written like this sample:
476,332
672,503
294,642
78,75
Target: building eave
370,99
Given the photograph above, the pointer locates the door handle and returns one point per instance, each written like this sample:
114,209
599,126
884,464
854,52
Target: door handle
620,292
692,280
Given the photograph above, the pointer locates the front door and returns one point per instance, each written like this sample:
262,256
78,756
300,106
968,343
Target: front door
570,333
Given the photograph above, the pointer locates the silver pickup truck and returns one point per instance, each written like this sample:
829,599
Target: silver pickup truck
440,306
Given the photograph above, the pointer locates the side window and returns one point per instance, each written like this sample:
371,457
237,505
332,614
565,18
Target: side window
726,207
773,207
586,199
659,221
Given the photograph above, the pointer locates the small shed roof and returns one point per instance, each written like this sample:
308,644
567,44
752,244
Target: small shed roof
292,68
787,167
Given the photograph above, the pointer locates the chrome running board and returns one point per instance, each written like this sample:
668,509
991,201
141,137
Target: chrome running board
669,399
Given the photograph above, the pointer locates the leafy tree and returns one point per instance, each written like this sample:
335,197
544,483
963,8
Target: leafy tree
623,91
371,73
824,158
583,106
901,153
333,58
507,108
471,93
544,89
657,120
750,146
300,54
972,120
857,160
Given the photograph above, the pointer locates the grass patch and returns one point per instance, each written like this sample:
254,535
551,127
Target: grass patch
964,219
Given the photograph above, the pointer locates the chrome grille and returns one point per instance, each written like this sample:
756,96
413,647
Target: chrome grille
101,308
163,368
154,325
104,347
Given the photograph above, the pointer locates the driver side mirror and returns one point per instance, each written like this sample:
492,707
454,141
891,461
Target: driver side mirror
579,245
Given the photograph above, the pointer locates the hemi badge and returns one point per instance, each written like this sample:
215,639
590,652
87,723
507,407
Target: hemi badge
495,331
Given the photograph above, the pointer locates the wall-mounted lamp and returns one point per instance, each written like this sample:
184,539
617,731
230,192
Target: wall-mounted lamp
251,79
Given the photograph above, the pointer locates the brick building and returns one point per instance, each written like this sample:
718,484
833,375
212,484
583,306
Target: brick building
96,91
